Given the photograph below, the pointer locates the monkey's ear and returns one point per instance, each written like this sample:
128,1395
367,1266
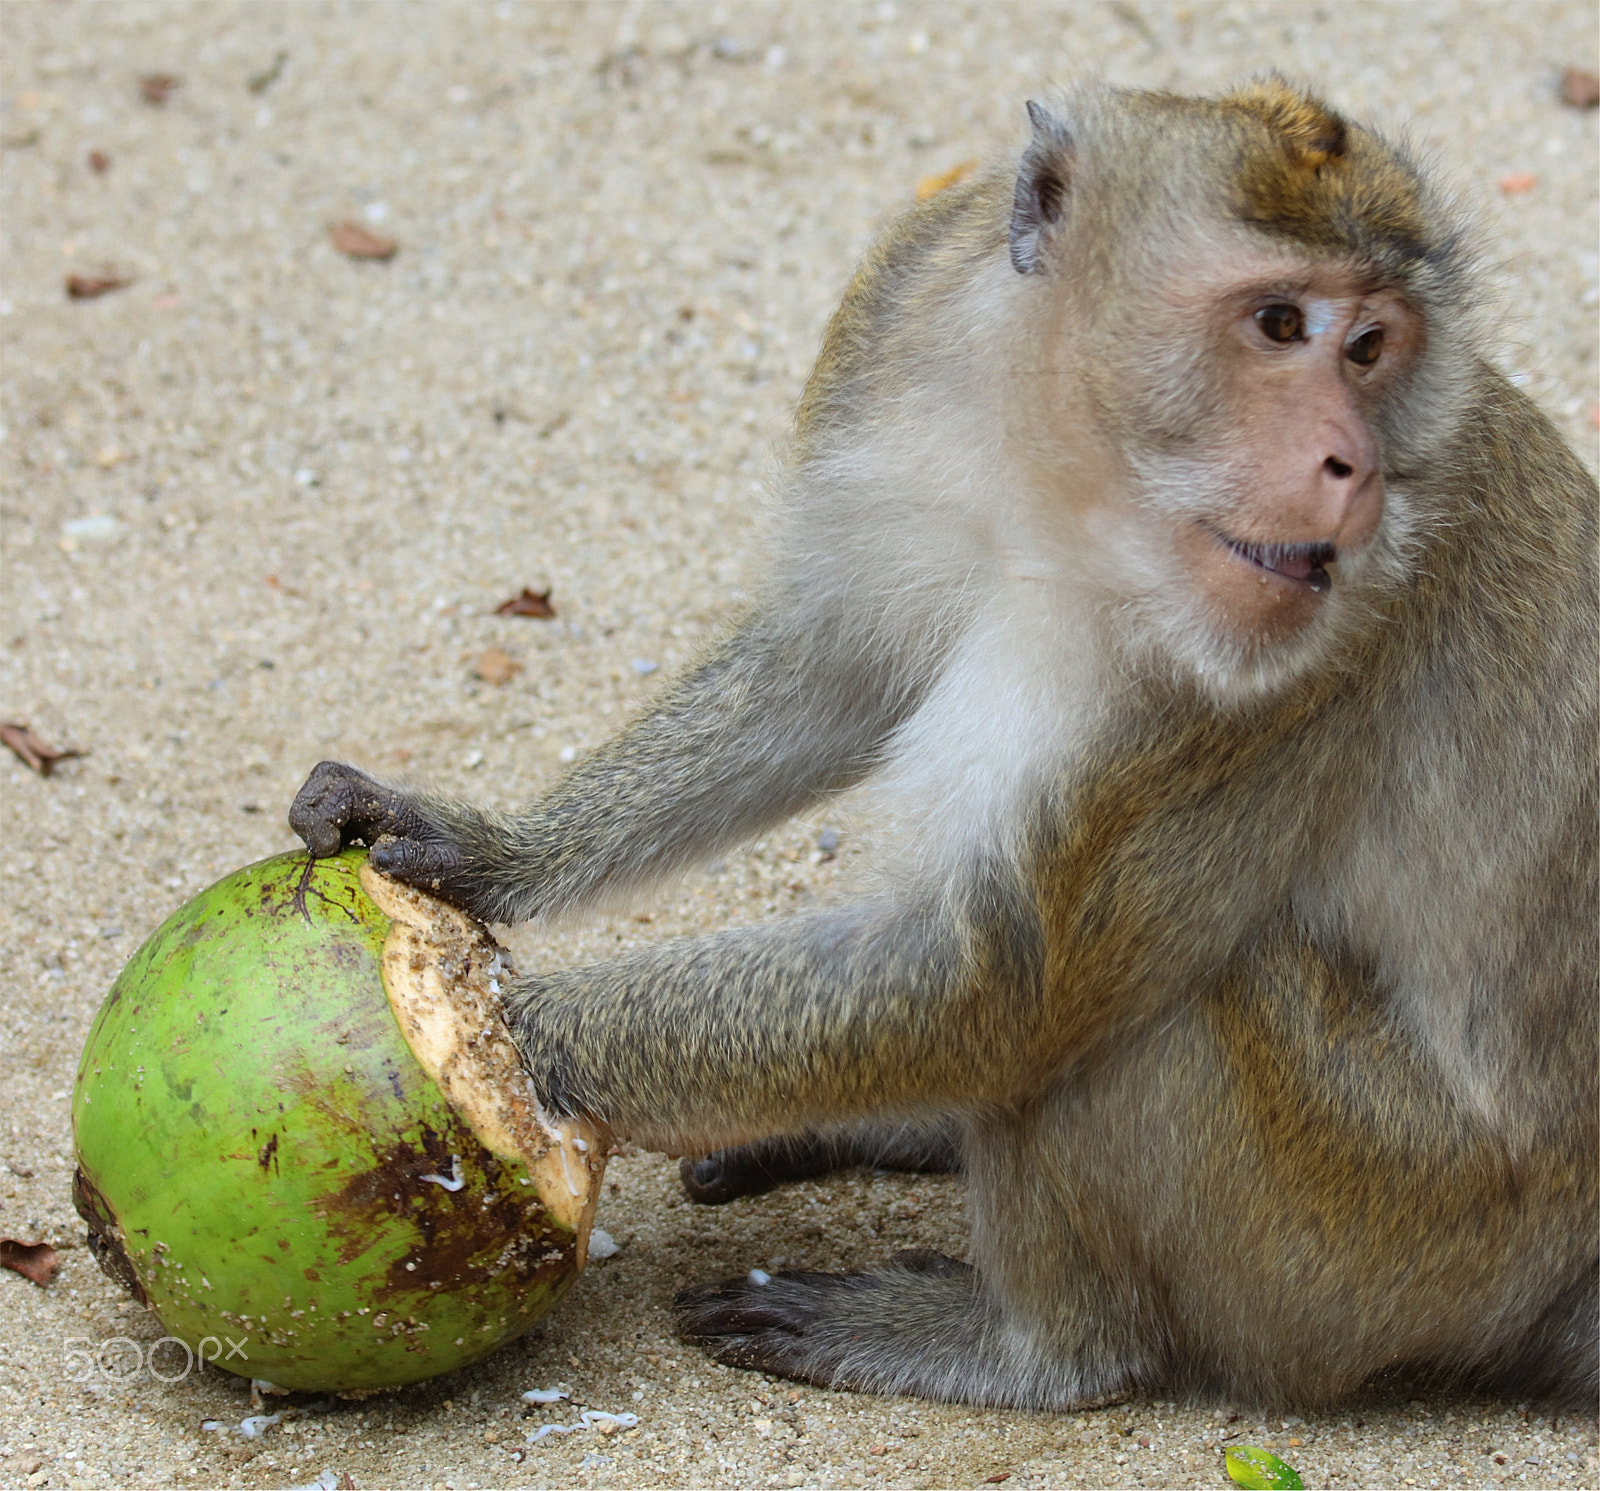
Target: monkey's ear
1040,201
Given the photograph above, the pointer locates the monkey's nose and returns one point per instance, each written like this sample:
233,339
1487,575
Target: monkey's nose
1349,493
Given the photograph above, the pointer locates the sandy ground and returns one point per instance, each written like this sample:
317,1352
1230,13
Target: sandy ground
260,504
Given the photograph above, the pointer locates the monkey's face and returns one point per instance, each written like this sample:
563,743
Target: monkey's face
1250,408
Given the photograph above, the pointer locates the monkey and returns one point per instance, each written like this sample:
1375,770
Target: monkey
1219,628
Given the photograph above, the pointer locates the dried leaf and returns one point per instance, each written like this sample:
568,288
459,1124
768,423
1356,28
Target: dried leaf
496,667
529,603
1260,1470
354,240
997,1477
155,86
99,162
32,751
1580,89
36,1261
265,79
931,186
1518,182
88,286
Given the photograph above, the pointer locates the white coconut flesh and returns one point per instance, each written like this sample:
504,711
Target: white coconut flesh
441,971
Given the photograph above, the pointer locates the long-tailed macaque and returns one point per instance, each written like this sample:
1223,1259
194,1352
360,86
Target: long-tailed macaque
1222,628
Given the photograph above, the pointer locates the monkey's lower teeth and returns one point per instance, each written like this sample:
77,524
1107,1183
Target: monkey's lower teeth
1305,567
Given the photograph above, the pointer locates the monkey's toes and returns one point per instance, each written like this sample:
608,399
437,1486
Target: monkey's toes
760,1322
757,1302
727,1175
707,1182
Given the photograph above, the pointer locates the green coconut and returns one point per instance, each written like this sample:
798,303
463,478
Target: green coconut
302,1126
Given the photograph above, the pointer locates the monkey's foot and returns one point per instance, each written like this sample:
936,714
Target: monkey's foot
923,1326
750,1169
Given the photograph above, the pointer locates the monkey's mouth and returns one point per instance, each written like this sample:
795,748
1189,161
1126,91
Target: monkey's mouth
1302,563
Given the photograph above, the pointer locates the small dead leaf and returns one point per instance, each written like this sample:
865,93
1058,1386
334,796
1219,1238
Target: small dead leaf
36,1261
88,286
529,603
155,86
1580,89
354,240
931,186
30,750
496,667
99,162
997,1477
1518,182
267,77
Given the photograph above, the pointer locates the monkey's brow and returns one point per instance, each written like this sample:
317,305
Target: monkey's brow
1284,288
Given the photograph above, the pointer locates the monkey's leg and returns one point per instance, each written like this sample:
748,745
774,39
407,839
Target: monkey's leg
1560,1358
776,716
749,1169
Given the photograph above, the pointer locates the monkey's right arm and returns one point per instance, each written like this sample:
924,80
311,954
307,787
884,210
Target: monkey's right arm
775,716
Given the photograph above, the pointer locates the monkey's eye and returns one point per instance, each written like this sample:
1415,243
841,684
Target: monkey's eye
1281,323
1364,350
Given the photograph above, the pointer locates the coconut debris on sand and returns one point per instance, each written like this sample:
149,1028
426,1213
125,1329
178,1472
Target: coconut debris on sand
262,501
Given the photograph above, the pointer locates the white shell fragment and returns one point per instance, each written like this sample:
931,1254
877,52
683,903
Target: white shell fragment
602,1244
251,1428
590,1418
451,1182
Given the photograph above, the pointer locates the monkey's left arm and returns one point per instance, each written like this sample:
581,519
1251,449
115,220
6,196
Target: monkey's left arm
705,1042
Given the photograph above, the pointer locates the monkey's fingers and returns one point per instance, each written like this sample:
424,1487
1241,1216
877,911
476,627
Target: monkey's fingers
339,805
429,864
336,806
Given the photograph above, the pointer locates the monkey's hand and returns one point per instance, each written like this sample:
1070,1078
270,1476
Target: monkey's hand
339,805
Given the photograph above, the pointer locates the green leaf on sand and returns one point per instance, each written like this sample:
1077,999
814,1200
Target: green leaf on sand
1259,1470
